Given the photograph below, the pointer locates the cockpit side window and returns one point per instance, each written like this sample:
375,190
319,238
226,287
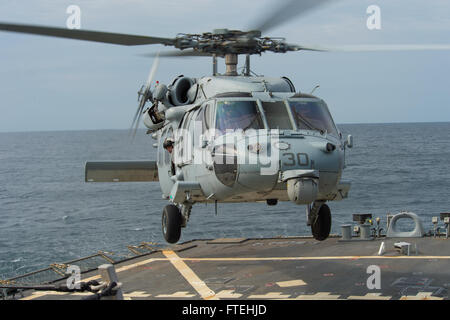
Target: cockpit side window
312,115
200,114
232,115
207,116
277,115
185,120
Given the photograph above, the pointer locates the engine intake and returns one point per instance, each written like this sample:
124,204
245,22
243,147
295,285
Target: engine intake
178,95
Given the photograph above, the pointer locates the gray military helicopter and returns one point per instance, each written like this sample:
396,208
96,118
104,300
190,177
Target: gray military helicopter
231,137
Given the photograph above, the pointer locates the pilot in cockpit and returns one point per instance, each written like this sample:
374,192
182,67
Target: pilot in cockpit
168,145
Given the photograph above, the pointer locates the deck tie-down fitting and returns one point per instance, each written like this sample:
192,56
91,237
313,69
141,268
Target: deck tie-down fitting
417,232
111,287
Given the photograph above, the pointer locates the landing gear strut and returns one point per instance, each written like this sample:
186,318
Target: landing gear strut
171,223
319,218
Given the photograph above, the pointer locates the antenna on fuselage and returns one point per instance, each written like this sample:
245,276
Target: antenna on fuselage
247,65
214,64
314,89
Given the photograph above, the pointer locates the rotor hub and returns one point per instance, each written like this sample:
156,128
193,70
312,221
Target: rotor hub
222,42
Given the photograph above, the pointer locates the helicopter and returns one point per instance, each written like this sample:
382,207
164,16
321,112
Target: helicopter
230,137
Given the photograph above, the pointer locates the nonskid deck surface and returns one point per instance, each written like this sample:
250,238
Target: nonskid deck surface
282,268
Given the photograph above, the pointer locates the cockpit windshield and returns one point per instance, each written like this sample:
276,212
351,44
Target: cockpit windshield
232,115
312,115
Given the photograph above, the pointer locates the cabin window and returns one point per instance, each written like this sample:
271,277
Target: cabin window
277,115
312,115
232,115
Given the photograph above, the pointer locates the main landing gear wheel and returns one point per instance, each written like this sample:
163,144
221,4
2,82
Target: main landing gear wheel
171,223
322,226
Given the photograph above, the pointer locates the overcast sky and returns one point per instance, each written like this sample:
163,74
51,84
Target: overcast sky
58,84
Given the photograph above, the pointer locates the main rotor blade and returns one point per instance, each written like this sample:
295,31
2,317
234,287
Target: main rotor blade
96,36
373,47
388,47
183,53
287,10
294,47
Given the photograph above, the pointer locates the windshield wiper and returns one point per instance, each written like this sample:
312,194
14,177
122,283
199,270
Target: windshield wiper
308,124
251,123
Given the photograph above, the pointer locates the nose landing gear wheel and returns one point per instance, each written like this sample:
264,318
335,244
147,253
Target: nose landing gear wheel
322,226
171,223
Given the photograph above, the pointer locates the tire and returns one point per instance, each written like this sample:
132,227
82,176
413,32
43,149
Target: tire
322,227
171,223
272,202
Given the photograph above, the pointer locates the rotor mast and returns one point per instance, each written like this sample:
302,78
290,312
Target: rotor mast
231,60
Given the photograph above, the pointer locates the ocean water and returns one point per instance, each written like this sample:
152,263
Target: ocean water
49,214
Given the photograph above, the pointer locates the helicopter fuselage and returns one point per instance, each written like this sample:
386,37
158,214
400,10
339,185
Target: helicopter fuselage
247,139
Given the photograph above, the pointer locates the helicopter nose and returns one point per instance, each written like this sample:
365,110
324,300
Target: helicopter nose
327,157
257,170
252,176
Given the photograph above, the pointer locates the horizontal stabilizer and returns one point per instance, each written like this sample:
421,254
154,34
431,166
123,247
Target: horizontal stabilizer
121,171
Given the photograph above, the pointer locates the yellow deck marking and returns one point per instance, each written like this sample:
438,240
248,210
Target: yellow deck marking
370,296
178,294
81,294
269,295
125,268
421,296
199,286
291,283
227,240
38,294
228,294
318,296
317,258
137,294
